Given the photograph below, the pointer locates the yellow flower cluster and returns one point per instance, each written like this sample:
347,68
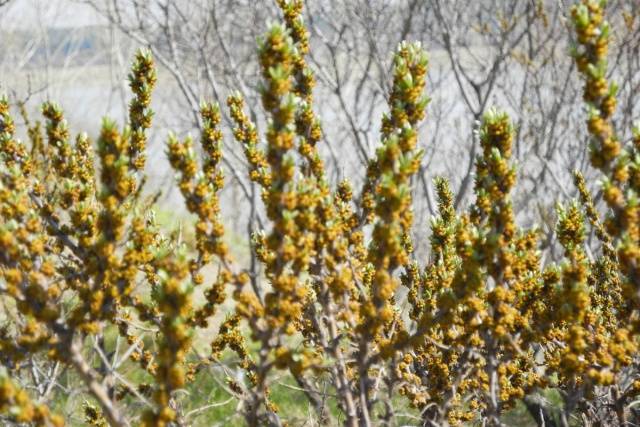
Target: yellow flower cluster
142,79
307,124
475,302
16,403
27,265
397,160
93,416
592,31
174,304
200,186
407,104
245,133
620,183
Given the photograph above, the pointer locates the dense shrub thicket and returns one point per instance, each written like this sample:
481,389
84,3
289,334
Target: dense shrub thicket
93,288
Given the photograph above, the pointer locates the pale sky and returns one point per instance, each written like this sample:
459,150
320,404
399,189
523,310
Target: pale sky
26,14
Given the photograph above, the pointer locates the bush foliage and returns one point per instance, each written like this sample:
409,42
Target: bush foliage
90,283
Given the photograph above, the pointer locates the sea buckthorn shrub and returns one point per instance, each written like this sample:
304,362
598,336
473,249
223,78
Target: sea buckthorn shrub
93,289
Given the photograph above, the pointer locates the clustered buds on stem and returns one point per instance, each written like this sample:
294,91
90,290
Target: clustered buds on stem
620,166
397,160
142,80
